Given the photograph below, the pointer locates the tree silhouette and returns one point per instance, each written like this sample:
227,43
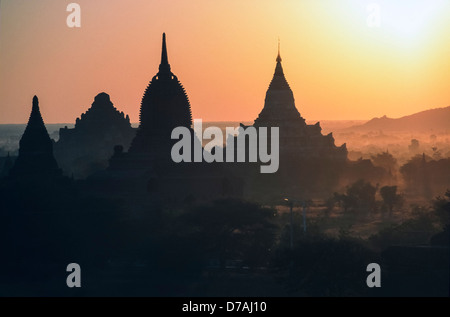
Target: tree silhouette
385,160
360,196
414,146
232,230
441,207
323,266
390,197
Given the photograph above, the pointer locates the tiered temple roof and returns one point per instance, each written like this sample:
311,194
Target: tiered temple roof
146,170
102,115
297,139
87,147
279,106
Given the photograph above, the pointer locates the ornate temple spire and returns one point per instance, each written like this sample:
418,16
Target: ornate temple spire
164,67
36,147
278,67
35,135
35,120
164,59
279,106
279,56
164,106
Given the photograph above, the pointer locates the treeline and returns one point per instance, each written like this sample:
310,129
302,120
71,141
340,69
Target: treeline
421,175
158,251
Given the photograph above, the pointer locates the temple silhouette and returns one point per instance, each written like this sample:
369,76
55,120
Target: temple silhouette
35,158
87,147
309,162
113,157
110,197
147,169
297,139
165,106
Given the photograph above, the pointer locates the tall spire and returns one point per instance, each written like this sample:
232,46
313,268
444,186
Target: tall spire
164,106
279,105
36,123
279,56
35,120
35,137
164,59
35,104
36,147
164,67
279,68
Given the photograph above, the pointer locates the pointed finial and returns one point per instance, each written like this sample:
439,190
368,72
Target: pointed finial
279,56
35,102
164,59
164,67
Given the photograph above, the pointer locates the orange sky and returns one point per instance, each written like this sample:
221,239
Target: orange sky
223,52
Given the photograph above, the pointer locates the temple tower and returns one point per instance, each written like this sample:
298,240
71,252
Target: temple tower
36,148
279,106
86,148
165,106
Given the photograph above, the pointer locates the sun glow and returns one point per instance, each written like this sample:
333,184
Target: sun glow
337,64
409,22
410,18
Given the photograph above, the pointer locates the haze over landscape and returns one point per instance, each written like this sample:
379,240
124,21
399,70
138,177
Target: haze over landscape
316,162
337,66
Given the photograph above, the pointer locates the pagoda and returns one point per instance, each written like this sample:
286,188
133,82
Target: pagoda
165,106
146,170
308,160
279,106
87,147
36,149
297,139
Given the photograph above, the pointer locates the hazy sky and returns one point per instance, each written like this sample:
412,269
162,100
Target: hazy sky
223,52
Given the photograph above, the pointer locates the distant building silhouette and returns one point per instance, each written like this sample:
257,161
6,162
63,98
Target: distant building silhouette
165,106
36,149
279,106
297,139
364,169
87,147
147,168
309,161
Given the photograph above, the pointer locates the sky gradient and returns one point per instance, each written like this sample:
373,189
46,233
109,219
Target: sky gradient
223,52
